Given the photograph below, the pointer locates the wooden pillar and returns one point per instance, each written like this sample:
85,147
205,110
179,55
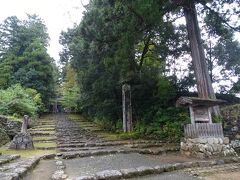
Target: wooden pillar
192,115
127,108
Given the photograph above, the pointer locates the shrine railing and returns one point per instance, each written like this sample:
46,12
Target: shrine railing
203,130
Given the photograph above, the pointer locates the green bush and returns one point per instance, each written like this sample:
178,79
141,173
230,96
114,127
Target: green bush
17,101
167,124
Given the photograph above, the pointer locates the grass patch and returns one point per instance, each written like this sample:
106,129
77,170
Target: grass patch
26,153
42,129
43,132
48,144
108,136
43,138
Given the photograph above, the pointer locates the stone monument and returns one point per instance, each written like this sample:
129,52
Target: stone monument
202,137
127,108
22,140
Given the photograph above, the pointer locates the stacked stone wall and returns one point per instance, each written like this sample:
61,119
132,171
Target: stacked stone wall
206,147
231,121
8,129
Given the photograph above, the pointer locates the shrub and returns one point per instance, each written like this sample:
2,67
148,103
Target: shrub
17,101
167,124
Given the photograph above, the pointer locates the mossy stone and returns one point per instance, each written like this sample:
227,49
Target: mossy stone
3,137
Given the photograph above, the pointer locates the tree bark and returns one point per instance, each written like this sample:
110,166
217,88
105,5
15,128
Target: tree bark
204,84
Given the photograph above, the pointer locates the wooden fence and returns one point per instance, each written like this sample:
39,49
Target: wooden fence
203,130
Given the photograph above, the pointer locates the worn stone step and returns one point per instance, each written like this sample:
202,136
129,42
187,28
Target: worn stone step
17,170
45,148
60,145
42,133
43,126
80,149
8,158
42,129
44,138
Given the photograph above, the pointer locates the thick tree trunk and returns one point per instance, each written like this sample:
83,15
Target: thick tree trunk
204,85
127,108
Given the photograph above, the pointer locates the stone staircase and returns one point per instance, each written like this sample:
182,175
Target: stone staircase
74,138
43,133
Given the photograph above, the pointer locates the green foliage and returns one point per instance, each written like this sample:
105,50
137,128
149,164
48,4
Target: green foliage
23,56
18,101
166,124
70,90
135,42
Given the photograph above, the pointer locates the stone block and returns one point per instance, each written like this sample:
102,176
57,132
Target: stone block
210,140
225,140
22,141
86,178
159,169
215,141
220,141
144,170
108,174
131,172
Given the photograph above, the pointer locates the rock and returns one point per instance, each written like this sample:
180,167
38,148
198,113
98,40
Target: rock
210,140
11,127
59,175
144,170
159,169
237,136
131,172
215,141
225,140
86,178
108,174
22,141
220,141
202,140
3,137
178,166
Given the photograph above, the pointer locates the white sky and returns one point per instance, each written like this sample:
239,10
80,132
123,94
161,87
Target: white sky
57,15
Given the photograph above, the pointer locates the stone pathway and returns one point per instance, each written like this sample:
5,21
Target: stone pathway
82,153
218,172
44,134
12,167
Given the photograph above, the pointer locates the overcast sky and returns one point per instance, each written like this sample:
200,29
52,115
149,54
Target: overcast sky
58,15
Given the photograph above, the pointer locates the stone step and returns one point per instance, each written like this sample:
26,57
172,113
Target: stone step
42,133
44,138
8,158
41,129
91,144
45,148
43,126
17,170
79,149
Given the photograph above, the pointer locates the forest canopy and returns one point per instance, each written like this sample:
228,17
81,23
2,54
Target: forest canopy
142,43
24,61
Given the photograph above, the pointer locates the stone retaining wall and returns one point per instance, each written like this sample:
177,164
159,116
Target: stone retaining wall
8,129
207,147
11,127
231,121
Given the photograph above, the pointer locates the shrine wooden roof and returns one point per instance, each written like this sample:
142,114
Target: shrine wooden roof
196,101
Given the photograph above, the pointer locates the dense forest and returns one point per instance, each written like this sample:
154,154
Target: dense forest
28,74
143,43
